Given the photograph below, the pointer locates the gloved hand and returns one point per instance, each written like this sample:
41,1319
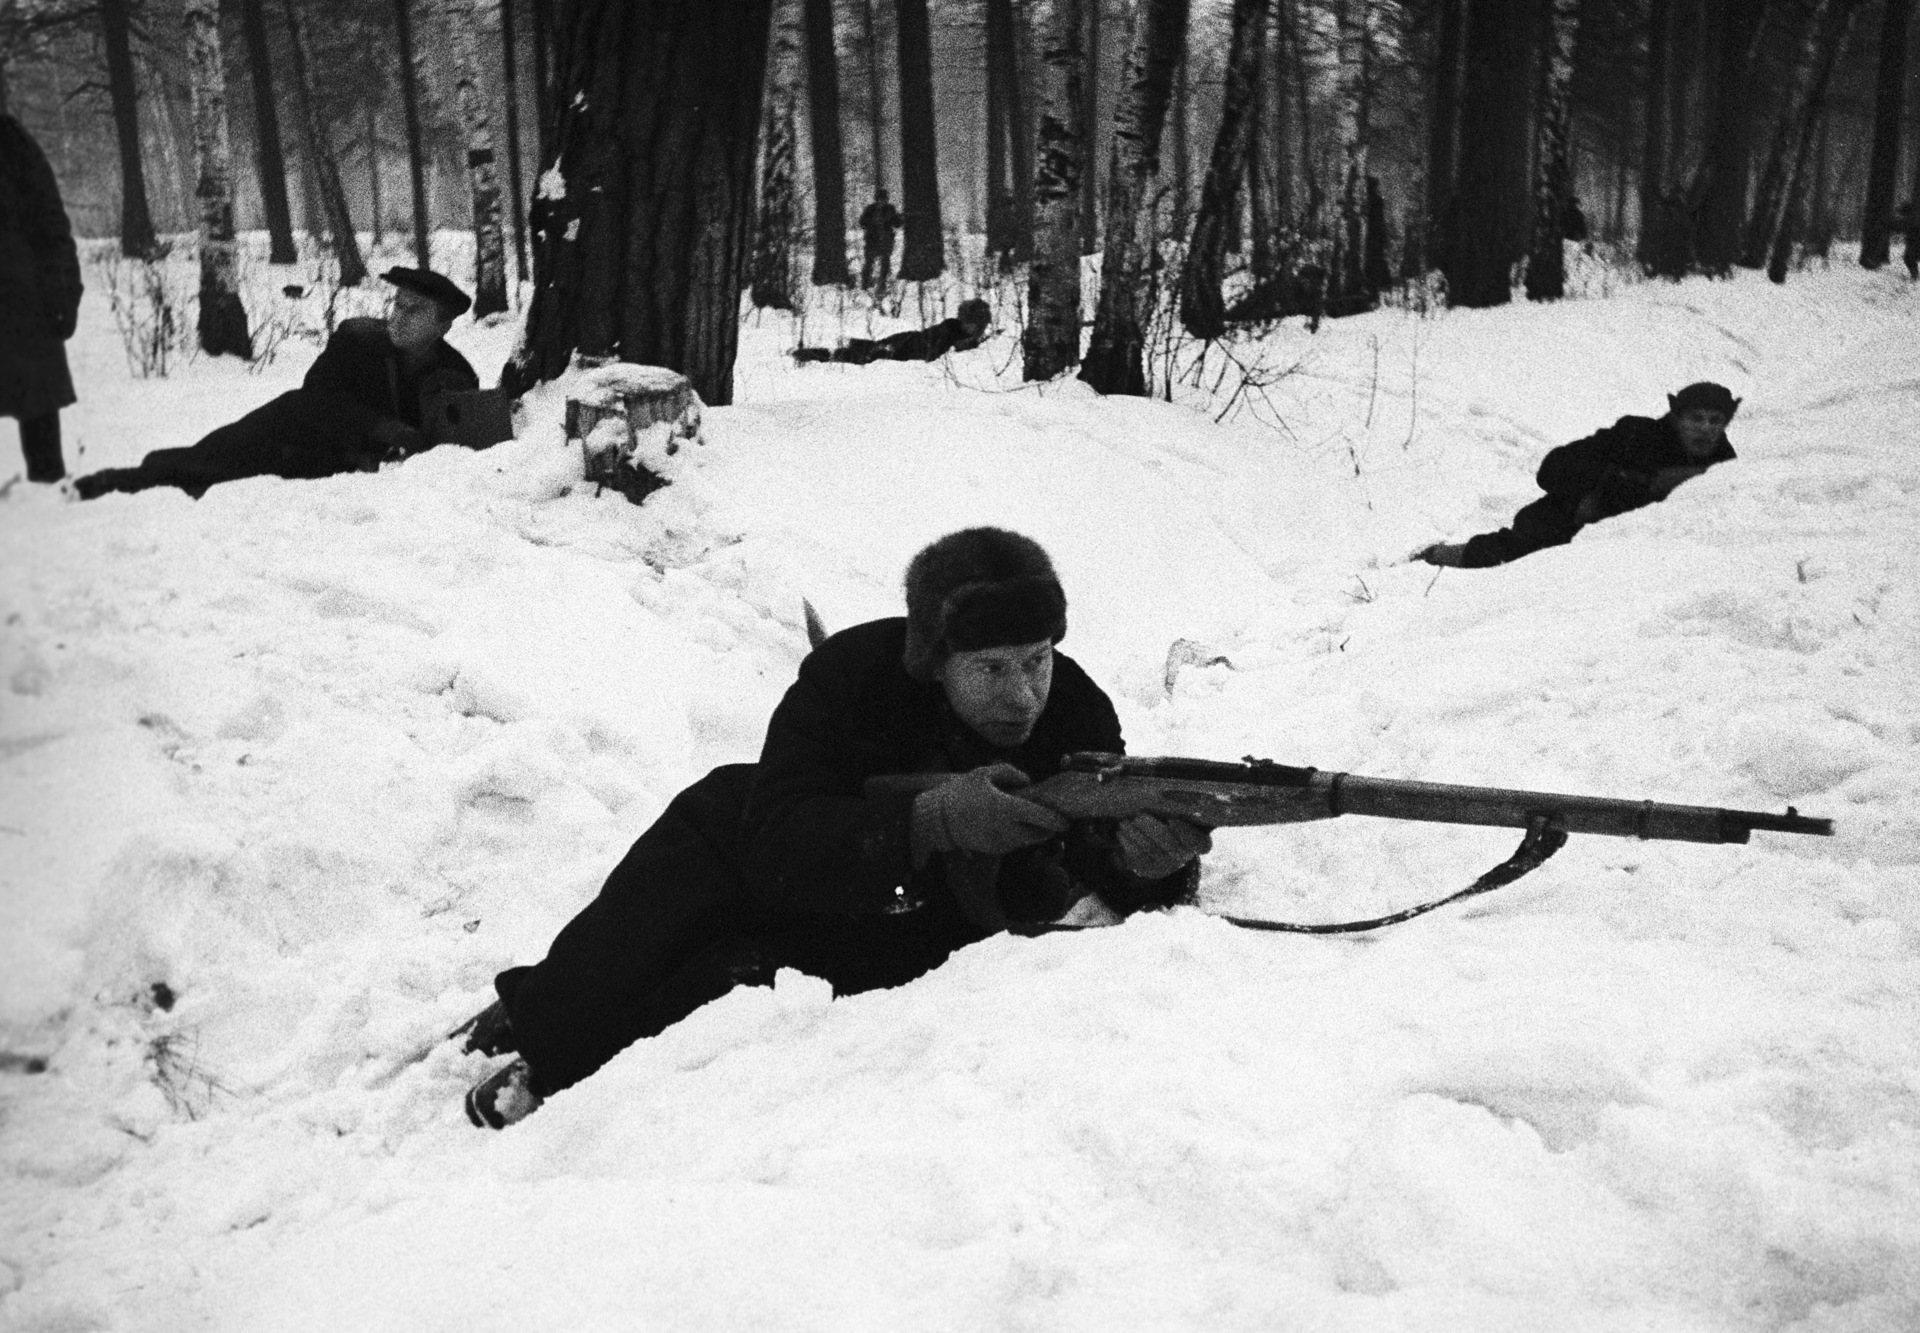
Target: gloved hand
1150,847
974,813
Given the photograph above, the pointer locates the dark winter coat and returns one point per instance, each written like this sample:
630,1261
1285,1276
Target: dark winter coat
878,223
928,344
1616,466
789,862
322,428
39,280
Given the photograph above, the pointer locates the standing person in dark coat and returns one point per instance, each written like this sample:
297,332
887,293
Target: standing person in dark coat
793,862
39,300
359,404
961,333
1632,463
879,220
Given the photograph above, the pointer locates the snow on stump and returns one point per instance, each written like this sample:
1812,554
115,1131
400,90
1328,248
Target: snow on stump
630,420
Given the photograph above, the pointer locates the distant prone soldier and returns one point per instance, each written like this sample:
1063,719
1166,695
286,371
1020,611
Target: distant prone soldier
1632,463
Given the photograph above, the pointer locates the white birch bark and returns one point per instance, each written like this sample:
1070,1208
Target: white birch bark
223,320
489,242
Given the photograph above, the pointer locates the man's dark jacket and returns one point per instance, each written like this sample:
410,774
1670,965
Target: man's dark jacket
323,427
789,862
1614,467
39,280
1617,464
878,222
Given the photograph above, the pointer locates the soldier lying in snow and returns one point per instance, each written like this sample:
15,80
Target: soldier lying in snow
360,403
793,862
1632,463
960,334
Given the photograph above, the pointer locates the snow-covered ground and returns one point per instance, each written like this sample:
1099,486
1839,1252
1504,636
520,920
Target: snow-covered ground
287,774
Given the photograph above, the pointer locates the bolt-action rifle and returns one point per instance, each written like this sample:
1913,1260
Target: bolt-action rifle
1212,794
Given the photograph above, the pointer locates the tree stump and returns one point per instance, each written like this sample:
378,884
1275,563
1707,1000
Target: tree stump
630,420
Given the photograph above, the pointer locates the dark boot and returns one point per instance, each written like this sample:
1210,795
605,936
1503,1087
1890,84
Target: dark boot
40,442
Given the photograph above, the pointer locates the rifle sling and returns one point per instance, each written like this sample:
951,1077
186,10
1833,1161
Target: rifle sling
1543,838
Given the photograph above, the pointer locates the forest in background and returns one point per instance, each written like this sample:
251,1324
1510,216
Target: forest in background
1300,157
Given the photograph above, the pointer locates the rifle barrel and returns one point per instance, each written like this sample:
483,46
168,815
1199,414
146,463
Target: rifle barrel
1446,803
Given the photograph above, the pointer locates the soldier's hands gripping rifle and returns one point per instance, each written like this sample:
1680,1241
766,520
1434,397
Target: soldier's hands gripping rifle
1212,794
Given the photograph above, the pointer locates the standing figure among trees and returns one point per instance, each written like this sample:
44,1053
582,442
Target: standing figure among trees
39,299
1637,461
879,220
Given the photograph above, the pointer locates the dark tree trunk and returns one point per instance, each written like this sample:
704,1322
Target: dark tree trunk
876,95
1182,145
326,168
1717,197
1010,140
1276,128
516,186
643,256
1883,166
540,13
829,167
269,158
923,251
1051,342
1443,126
1090,91
416,148
373,174
1770,195
1129,274
1824,46
1261,225
1553,185
483,182
136,220
1487,223
1653,150
1202,307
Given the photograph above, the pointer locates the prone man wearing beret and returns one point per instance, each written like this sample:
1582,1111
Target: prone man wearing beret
1637,461
359,404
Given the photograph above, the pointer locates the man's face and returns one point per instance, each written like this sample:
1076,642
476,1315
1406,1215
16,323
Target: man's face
416,322
1000,692
1700,430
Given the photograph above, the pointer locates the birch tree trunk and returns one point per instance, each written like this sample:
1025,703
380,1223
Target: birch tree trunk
1553,121
772,261
223,320
641,249
416,146
516,188
270,160
1051,340
829,163
1354,22
326,167
923,248
1129,274
489,243
1202,306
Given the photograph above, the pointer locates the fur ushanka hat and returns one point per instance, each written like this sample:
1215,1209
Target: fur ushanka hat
1707,394
979,588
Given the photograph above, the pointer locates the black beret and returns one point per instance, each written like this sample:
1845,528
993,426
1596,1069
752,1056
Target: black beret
428,283
1714,397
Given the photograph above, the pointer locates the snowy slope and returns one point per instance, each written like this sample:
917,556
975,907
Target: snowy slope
312,761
